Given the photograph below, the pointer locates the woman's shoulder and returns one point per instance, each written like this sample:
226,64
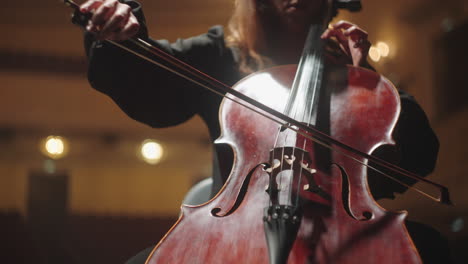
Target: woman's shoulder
211,45
207,52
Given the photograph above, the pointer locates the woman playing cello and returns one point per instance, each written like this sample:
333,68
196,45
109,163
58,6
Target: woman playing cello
262,34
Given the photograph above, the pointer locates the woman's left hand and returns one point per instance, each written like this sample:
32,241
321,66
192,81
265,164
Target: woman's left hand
348,44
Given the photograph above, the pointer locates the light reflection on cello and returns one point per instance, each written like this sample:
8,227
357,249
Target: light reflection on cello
313,204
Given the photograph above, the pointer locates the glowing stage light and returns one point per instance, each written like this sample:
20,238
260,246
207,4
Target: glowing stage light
384,49
55,147
151,151
374,54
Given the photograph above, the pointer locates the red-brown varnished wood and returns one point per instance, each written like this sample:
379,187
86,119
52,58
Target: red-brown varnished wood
363,112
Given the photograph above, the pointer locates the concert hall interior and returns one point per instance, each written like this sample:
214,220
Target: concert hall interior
74,185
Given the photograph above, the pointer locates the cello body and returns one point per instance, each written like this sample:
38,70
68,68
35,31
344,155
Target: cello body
340,222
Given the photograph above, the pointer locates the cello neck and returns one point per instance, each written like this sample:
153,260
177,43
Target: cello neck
303,100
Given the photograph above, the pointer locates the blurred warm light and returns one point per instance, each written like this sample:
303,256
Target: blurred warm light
383,48
374,54
55,147
151,151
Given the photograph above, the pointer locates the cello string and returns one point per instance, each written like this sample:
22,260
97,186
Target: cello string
308,76
280,182
300,91
296,114
299,80
282,156
316,68
315,78
272,161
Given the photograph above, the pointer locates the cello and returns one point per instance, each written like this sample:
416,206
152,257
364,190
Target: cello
292,197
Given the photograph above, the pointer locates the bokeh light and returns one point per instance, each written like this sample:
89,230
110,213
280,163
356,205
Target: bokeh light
151,151
374,54
383,48
54,147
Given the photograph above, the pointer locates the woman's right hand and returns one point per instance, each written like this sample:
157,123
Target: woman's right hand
110,19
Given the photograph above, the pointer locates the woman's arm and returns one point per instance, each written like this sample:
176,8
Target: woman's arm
143,91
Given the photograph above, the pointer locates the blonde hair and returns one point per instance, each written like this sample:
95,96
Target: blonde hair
250,28
247,33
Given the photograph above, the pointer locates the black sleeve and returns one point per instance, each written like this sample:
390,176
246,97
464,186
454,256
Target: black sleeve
144,91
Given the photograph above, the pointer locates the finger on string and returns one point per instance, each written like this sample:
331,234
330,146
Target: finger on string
340,37
333,47
335,53
333,44
90,5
